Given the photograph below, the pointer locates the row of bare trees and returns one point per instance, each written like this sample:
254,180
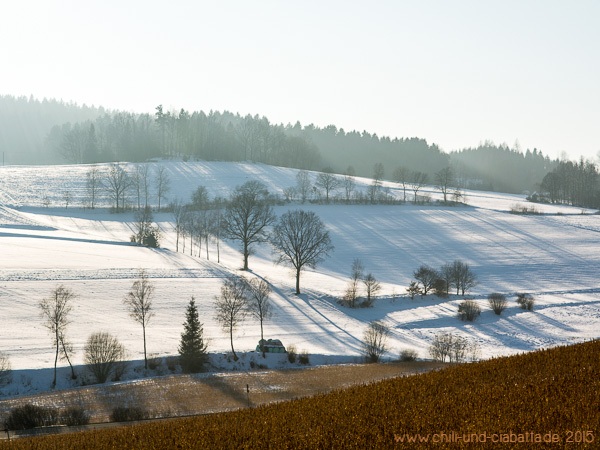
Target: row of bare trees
55,312
299,238
457,274
139,186
328,185
104,354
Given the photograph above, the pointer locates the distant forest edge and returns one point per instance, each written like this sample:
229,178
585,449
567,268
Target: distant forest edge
55,132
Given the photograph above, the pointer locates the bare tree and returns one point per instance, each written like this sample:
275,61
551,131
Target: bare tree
327,181
455,349
372,287
303,184
200,199
163,184
136,184
67,197
103,355
447,275
427,277
247,216
463,277
419,179
349,186
259,303
444,180
356,274
144,180
180,213
375,341
117,183
141,183
375,187
401,175
232,306
300,239
139,303
93,184
55,311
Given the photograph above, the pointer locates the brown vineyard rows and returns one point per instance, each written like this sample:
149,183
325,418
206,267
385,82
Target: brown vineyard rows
548,394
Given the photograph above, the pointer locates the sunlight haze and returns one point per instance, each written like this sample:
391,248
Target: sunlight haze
454,73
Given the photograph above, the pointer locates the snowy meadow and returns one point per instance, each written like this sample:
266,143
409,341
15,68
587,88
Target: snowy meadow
48,237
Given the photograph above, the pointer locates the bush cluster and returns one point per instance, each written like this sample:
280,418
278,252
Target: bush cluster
128,414
30,416
468,310
525,301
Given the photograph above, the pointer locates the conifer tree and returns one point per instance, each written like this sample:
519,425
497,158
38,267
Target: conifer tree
192,348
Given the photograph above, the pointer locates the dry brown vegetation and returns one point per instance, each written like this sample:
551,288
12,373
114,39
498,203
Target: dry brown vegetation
549,391
183,395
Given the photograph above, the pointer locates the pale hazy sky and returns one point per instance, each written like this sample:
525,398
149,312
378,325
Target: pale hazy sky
453,72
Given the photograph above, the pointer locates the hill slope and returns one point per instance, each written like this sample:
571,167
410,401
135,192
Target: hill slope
554,257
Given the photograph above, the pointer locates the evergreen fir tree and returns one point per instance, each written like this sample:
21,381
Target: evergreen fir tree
192,348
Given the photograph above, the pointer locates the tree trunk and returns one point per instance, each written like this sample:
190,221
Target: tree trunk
298,281
235,358
246,254
145,358
73,376
56,358
262,338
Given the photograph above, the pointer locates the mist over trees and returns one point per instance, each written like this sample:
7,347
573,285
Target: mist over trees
500,168
572,183
51,131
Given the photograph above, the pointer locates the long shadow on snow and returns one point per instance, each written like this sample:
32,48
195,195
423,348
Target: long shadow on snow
62,238
305,299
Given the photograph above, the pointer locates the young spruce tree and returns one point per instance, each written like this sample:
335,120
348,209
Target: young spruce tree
192,348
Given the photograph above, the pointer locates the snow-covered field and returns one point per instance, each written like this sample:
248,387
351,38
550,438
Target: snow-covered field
555,256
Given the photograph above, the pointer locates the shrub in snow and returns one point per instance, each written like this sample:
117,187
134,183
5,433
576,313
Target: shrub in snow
372,287
104,356
291,353
407,355
303,358
440,288
468,310
525,301
451,348
375,341
413,289
497,302
5,370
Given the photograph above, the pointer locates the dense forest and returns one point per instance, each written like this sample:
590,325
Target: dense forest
572,183
51,132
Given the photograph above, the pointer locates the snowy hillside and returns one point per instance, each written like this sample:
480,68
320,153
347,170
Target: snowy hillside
555,256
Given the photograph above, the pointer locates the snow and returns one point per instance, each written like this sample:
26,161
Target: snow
554,256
